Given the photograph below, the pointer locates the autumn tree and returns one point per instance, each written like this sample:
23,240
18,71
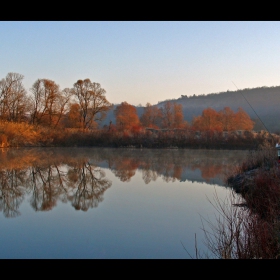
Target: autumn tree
151,117
74,116
126,116
14,102
167,115
172,115
63,104
178,121
44,93
49,104
227,119
243,121
208,121
224,120
92,101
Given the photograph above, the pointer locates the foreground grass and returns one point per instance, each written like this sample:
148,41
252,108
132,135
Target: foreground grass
248,222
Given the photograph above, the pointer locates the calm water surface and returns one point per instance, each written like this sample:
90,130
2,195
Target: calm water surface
108,203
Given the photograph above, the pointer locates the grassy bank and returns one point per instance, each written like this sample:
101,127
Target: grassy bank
26,135
248,224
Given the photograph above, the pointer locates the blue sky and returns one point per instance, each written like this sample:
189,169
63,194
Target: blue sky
144,61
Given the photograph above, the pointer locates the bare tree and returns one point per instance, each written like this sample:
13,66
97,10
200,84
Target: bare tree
48,102
92,101
151,116
167,113
172,115
13,98
63,102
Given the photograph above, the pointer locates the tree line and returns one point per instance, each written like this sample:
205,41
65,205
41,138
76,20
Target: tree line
85,104
48,105
170,116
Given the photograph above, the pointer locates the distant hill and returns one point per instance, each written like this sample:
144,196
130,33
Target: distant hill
265,102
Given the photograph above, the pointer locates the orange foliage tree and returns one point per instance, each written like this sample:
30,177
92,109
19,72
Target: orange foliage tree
209,120
74,117
151,117
126,116
243,120
224,120
178,121
172,116
227,119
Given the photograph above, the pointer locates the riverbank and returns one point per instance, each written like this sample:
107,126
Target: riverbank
250,225
25,135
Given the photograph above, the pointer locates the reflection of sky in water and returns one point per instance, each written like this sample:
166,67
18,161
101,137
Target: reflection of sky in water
134,220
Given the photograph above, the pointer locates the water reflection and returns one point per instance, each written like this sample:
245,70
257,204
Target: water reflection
171,165
11,191
49,176
77,175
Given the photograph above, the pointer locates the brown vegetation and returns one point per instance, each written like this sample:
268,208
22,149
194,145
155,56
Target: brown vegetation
126,117
92,101
248,226
49,116
151,117
224,120
23,134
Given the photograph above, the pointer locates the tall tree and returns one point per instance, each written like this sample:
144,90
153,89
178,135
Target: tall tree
74,116
92,101
179,121
227,119
126,116
48,102
172,115
208,121
63,104
243,121
13,98
167,115
151,117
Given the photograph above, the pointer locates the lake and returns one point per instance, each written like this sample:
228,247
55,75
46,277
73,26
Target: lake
106,203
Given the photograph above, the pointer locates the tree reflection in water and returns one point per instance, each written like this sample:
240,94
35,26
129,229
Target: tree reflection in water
124,168
11,191
169,164
47,184
89,186
72,175
50,179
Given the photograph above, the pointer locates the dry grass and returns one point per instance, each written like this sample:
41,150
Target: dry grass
238,232
17,134
247,224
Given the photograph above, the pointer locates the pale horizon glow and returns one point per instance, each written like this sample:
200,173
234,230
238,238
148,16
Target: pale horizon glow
144,61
